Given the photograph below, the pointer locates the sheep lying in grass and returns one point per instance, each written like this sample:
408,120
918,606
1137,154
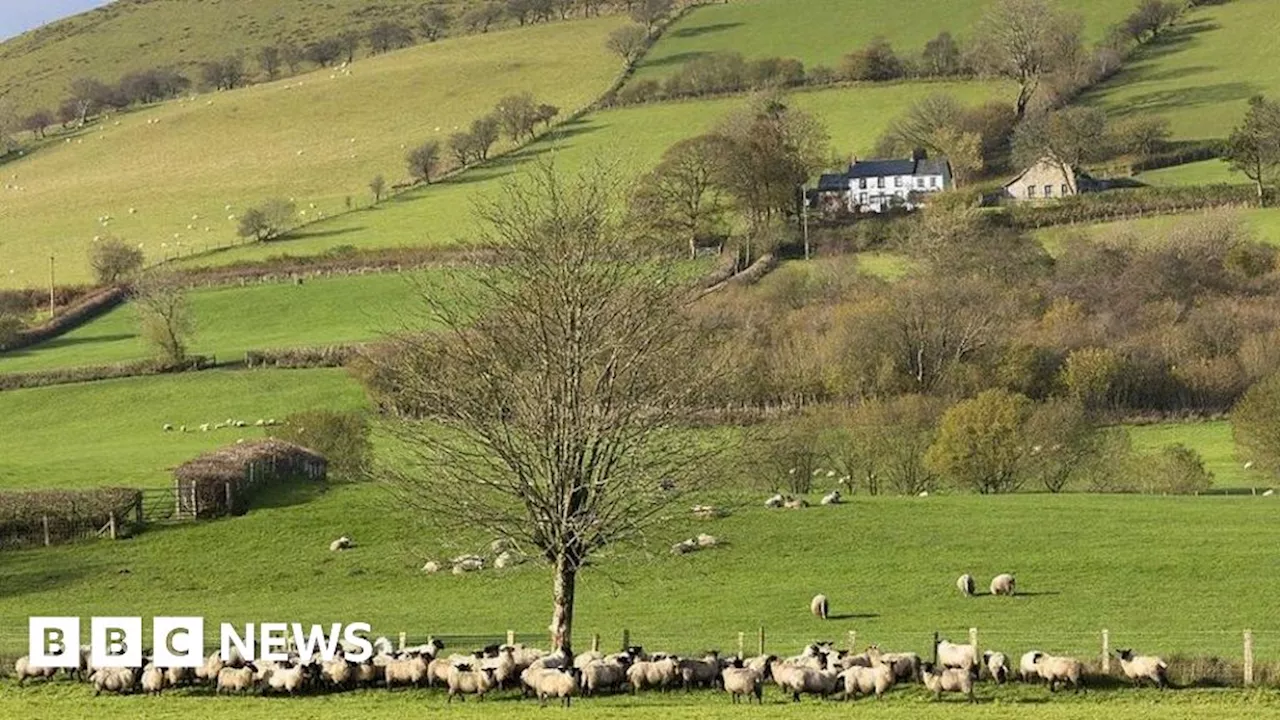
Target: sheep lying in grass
997,664
1144,667
775,502
795,503
819,606
966,585
1002,584
832,498
940,680
24,669
1059,670
342,543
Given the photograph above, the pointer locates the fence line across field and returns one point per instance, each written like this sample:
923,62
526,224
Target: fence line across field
13,643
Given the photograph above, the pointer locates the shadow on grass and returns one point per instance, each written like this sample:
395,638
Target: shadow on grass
676,59
304,235
34,574
701,30
64,341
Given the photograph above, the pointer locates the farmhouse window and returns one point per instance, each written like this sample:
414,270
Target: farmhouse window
1048,191
1031,191
862,183
1066,190
880,183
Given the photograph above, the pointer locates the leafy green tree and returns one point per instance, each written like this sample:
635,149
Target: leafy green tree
1255,422
1061,440
1089,375
1254,145
981,442
681,197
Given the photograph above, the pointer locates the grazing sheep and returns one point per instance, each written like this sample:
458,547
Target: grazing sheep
775,502
560,683
1058,670
1002,584
1027,671
338,673
505,671
431,567
24,669
966,585
906,666
997,664
819,606
288,680
863,681
959,657
462,680
708,512
684,547
832,498
702,673
608,674
1144,667
467,563
236,679
116,680
744,682
168,427
342,543
153,679
661,674
210,669
803,680
939,681
413,671
177,676
795,503
706,541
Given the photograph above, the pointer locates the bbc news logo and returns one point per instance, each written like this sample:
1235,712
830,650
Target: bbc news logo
179,641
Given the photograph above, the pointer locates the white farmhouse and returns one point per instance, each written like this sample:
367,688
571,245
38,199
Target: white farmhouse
880,185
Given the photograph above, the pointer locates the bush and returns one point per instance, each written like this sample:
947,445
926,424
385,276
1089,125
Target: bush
114,260
1116,204
1255,422
69,513
269,220
1175,470
640,91
876,62
342,437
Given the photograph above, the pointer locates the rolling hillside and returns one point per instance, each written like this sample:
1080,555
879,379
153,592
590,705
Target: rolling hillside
318,137
130,35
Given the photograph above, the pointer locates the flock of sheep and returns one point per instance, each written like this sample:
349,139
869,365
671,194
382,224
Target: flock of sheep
818,670
228,423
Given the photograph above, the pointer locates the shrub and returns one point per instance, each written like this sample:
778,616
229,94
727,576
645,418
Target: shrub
342,437
69,513
269,220
876,62
1255,422
640,91
1175,470
114,260
980,442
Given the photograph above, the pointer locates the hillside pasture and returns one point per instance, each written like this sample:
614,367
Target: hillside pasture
232,319
820,32
1205,172
1212,440
174,177
110,433
1201,73
1264,222
631,140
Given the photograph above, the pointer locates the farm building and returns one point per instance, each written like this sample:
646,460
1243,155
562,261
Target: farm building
880,185
1049,179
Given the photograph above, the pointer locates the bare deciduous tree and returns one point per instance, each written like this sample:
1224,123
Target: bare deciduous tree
547,410
681,197
166,323
1023,41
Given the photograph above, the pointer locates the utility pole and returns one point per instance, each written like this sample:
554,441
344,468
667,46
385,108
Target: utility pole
804,222
52,307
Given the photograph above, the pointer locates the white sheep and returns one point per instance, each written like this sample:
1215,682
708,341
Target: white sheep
153,679
431,567
997,664
168,427
342,543
803,680
863,681
939,681
662,674
604,674
832,498
795,503
466,565
236,679
1027,671
819,606
966,585
1144,667
562,684
506,559
24,669
744,682
176,676
463,680
1002,584
959,657
116,680
700,673
705,540
1058,670
288,680
684,547
775,501
414,671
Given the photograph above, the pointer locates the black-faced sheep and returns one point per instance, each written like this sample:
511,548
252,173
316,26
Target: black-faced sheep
966,585
1059,670
819,606
1144,667
997,665
463,680
1027,671
559,683
940,680
23,669
1002,584
960,657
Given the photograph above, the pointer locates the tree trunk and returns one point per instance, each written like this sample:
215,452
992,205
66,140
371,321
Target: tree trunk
563,585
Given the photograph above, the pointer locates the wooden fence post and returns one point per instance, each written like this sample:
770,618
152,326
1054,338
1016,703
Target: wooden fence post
1248,658
111,523
595,642
137,510
626,638
1106,652
935,647
853,641
977,653
195,502
742,644
404,640
230,497
761,648
511,637
44,519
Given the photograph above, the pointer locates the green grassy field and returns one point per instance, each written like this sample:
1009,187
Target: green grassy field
1212,440
63,700
1205,172
111,432
230,320
1264,222
631,138
888,564
317,138
820,32
126,36
1201,75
